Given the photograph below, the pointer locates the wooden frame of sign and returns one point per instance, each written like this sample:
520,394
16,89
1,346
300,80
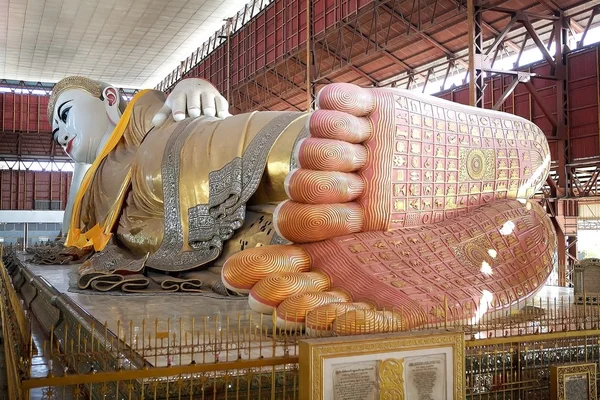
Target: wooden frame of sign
369,367
573,382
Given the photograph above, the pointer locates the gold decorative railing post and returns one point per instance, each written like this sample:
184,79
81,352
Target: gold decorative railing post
16,334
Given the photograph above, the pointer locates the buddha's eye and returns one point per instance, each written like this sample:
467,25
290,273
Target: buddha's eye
65,114
54,136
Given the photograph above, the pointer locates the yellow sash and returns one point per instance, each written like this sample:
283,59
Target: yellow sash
99,235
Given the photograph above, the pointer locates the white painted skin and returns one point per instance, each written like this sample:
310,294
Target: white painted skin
191,98
79,170
82,123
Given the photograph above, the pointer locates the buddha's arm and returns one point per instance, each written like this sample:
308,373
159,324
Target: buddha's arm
79,170
207,146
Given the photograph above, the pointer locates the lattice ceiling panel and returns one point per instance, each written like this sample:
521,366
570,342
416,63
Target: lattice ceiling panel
129,43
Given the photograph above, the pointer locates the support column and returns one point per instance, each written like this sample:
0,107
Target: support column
475,74
561,250
310,64
566,260
571,258
25,235
229,61
560,72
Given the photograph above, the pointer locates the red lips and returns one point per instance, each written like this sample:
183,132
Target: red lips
69,146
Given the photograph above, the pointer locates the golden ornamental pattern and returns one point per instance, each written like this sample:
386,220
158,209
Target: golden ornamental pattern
476,164
391,379
73,82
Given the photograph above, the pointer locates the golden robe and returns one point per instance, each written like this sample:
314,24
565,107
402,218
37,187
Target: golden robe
173,195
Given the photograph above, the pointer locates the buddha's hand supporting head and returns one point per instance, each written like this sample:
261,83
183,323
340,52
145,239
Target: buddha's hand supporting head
83,113
191,98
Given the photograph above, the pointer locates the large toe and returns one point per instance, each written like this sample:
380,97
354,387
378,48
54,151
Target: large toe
244,269
331,155
323,187
330,124
304,223
346,98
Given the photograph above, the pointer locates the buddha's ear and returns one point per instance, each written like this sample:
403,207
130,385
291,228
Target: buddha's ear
111,103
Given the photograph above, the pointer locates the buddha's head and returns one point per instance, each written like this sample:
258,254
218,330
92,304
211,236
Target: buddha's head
82,113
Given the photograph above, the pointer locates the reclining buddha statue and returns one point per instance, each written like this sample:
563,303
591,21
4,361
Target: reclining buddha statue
380,199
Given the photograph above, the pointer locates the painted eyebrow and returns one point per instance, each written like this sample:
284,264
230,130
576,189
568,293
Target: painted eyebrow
60,107
54,132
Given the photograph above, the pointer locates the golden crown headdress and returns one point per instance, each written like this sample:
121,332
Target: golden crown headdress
94,88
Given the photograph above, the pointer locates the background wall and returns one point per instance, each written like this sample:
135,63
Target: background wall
18,227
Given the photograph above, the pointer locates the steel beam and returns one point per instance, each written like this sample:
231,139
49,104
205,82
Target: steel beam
486,25
475,73
536,97
273,95
347,62
509,43
28,86
380,48
525,13
560,37
585,178
256,106
423,35
448,69
511,88
550,5
561,250
536,38
523,45
426,81
587,26
34,158
500,37
310,60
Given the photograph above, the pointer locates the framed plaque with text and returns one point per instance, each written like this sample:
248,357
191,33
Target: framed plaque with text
573,382
411,366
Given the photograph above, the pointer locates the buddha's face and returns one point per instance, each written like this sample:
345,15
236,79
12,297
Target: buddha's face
80,121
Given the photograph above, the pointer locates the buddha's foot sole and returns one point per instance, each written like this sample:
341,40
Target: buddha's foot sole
382,159
455,270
